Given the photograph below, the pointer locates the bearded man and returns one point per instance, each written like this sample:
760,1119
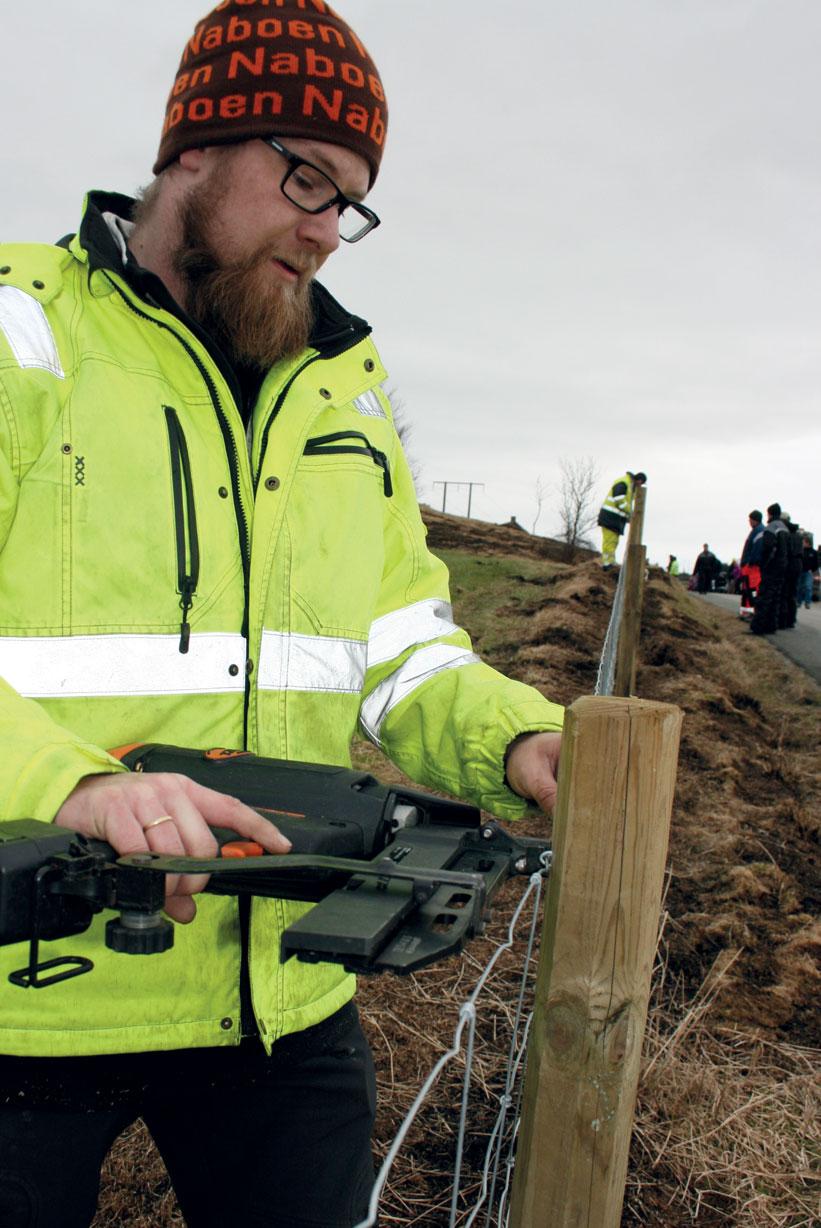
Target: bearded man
210,538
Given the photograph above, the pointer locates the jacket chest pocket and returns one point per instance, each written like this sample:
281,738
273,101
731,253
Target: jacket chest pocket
351,443
335,523
153,542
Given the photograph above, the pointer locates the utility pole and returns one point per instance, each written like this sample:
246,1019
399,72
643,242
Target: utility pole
470,486
444,492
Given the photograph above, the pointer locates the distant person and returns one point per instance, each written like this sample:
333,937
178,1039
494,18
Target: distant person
672,566
774,555
704,569
750,564
733,577
788,605
809,569
615,513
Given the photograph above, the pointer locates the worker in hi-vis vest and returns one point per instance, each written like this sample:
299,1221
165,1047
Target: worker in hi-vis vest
210,538
615,512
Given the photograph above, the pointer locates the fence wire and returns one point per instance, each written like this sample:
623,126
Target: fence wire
501,1136
607,664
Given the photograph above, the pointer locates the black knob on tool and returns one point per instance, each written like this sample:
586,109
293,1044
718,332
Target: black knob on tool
136,933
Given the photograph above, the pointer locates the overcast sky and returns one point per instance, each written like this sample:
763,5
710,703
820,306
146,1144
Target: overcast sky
601,232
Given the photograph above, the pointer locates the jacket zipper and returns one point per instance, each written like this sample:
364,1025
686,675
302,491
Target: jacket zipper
247,1019
323,444
185,522
228,439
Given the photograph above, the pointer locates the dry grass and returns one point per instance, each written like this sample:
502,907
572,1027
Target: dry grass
727,1120
732,1123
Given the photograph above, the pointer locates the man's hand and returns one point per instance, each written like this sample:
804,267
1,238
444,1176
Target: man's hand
164,813
533,766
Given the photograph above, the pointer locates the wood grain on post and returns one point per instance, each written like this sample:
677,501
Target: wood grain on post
611,826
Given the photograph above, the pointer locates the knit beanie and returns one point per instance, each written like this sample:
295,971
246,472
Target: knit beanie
275,68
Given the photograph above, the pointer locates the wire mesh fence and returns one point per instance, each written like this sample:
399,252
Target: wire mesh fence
498,1160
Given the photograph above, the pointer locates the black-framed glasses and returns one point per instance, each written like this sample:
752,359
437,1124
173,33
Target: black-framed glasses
311,190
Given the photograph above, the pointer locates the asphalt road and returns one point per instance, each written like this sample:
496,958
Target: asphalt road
802,644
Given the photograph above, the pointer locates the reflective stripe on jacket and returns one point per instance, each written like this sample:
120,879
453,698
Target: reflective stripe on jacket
619,498
614,512
164,579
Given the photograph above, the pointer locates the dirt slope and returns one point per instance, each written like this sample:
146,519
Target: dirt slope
447,532
726,1122
729,1100
744,839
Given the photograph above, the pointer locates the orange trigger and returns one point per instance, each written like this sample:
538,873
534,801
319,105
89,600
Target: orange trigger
242,848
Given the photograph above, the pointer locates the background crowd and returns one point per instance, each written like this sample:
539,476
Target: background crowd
775,576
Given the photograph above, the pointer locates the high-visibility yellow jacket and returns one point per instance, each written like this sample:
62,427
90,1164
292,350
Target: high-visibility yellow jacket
163,577
618,504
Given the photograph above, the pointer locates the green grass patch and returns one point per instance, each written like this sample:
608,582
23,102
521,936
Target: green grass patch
494,597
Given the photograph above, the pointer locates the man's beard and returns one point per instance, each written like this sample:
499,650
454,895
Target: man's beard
255,320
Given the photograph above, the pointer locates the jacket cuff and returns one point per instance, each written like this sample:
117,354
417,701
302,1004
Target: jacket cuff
50,776
486,754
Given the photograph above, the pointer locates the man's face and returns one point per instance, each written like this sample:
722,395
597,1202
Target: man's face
247,255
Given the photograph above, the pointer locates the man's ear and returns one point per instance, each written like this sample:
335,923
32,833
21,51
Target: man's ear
192,159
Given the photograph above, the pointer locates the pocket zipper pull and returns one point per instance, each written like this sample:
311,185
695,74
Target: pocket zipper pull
382,460
186,601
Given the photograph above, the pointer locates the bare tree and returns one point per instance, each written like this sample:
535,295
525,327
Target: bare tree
578,504
542,489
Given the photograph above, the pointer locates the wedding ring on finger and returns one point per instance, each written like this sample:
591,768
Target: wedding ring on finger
164,818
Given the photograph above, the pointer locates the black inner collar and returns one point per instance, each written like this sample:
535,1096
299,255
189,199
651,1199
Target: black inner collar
334,329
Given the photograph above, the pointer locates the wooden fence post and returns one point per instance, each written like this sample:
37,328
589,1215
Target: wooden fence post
636,529
611,826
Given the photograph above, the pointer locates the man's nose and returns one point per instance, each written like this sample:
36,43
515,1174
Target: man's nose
320,230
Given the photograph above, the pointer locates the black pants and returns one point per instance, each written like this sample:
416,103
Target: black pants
765,618
788,603
248,1141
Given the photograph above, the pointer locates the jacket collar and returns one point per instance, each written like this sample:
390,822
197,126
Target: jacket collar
335,329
